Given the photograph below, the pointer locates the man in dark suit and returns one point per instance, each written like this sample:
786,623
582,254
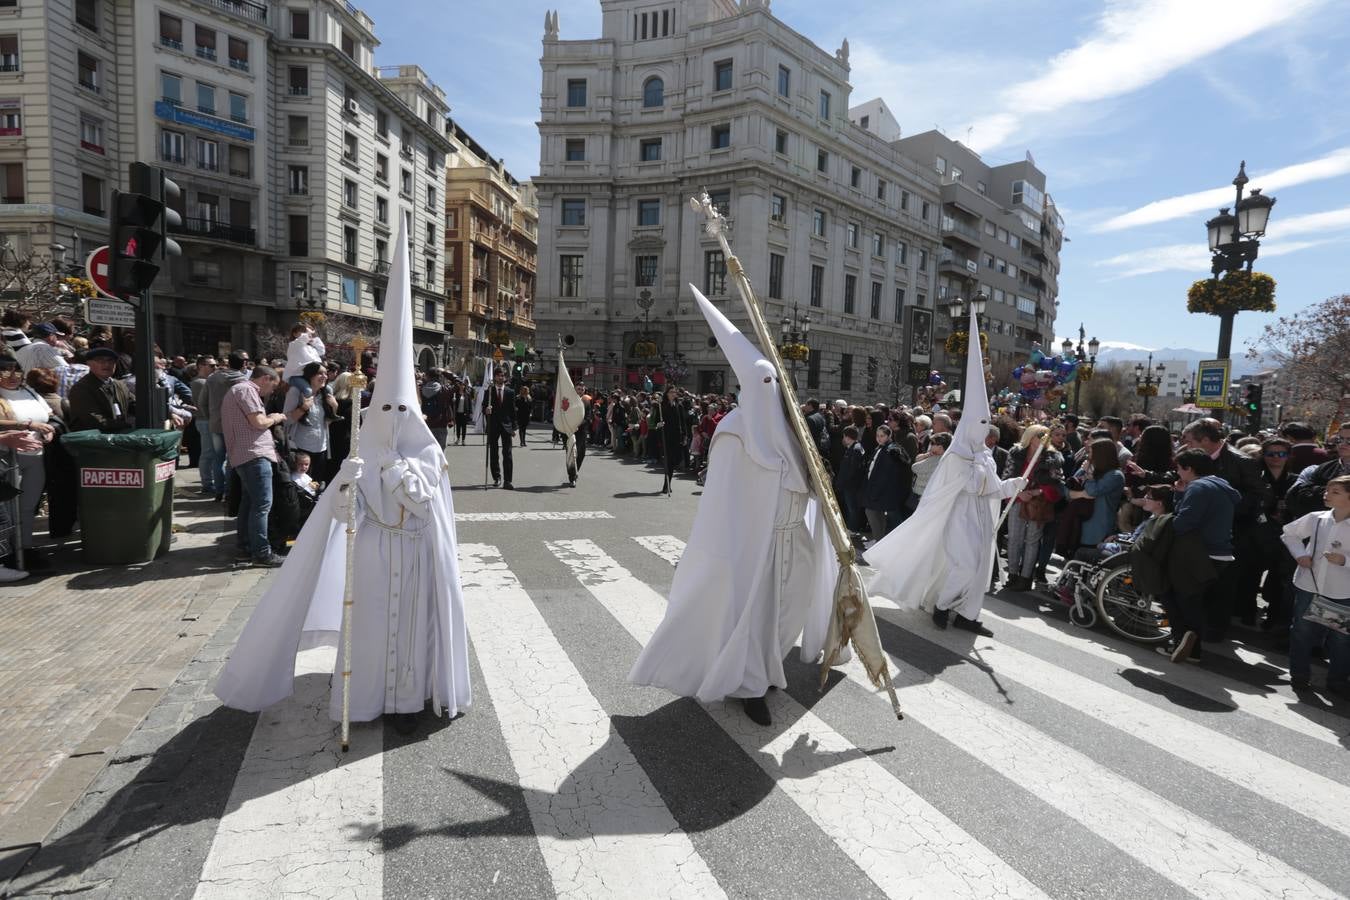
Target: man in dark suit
98,400
500,416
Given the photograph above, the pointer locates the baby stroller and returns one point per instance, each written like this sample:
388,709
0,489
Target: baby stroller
1104,589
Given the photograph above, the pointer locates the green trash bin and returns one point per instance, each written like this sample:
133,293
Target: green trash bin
126,493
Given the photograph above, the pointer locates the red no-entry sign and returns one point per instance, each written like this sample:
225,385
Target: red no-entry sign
99,268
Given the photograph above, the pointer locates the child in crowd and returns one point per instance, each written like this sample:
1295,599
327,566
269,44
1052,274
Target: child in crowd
1319,543
300,475
304,348
925,466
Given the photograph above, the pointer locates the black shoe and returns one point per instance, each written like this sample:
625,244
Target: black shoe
940,617
270,561
508,487
1300,683
1017,583
496,482
404,723
757,710
975,626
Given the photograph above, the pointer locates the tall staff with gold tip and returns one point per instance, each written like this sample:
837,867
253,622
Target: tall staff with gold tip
358,384
852,620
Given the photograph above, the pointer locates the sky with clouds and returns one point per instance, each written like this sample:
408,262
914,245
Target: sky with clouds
1137,110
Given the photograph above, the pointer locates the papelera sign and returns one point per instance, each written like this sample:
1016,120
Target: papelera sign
108,477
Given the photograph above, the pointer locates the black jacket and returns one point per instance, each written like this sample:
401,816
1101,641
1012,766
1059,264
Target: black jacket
852,473
890,481
501,416
105,405
820,435
1244,475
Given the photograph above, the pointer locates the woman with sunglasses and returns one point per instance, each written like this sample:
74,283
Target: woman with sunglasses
23,409
1276,564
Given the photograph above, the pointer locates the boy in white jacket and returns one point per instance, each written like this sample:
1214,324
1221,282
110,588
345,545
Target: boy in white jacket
305,347
1319,543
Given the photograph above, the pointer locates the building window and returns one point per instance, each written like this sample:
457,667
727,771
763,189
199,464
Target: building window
714,273
381,168
206,42
926,209
208,155
653,93
855,177
813,370
208,208
297,81
778,208
721,201
87,67
12,184
431,234
91,130
350,148
881,189
923,260
349,195
721,136
297,177
450,219
171,88
241,161
203,271
901,253
899,304
431,197
297,131
818,223
382,124
574,212
576,92
851,235
238,107
904,200
722,75
817,286
299,25
920,300
850,293
784,81
92,195
570,268
776,276
349,245
86,14
348,45
824,104
382,210
644,268
575,150
171,146
845,371
351,290
649,150
297,229
649,212
878,244
780,142
941,165
822,161
431,279
876,300
405,183
170,31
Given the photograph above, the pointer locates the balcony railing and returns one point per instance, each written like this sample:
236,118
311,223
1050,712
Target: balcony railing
961,228
382,267
240,64
208,165
242,8
298,90
171,43
219,231
207,53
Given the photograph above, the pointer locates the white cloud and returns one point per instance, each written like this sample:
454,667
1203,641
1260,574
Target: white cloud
1310,224
1333,165
1189,257
1136,43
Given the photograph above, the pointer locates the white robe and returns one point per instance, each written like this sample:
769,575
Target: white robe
970,546
755,573
409,641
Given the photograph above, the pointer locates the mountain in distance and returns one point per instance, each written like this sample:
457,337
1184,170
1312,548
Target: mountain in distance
1122,353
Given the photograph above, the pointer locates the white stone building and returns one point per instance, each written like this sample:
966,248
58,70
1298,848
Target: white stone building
827,218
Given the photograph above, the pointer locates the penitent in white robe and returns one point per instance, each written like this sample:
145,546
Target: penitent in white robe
970,545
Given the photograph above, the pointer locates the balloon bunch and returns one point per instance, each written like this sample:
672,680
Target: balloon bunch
933,391
1043,378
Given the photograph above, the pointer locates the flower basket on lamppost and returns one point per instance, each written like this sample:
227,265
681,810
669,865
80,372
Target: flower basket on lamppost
959,340
1234,242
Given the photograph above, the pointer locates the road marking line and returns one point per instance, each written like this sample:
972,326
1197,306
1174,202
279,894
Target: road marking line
1276,707
302,815
533,516
602,827
897,838
667,546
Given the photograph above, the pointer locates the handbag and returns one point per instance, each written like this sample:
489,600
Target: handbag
1323,610
1038,509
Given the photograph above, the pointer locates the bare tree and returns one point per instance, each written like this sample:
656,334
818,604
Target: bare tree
1311,349
1110,392
336,329
42,284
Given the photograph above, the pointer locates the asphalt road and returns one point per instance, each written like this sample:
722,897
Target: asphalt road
1045,761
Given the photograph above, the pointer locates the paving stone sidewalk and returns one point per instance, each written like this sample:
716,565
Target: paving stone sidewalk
88,654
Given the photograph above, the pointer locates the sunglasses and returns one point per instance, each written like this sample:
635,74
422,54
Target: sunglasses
1277,454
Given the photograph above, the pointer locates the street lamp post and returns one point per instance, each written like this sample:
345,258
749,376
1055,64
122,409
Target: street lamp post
794,330
1147,379
1087,359
961,312
1234,243
309,296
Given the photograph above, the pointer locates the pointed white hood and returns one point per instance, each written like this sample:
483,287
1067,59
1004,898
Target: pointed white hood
975,416
393,421
764,426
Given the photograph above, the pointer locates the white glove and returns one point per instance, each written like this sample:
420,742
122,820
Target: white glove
1022,483
349,471
344,483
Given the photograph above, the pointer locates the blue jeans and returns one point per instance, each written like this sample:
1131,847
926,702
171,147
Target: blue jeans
222,463
255,477
301,384
208,461
1304,635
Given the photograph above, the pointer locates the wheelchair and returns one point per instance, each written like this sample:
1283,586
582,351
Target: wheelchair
1104,591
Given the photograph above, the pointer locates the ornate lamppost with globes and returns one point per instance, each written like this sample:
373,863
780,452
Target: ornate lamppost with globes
794,331
961,314
1233,245
1087,359
1147,379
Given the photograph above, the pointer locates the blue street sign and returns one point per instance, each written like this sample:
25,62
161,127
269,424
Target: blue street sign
1212,377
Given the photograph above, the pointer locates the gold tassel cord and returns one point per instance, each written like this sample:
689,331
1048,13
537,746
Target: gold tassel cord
853,620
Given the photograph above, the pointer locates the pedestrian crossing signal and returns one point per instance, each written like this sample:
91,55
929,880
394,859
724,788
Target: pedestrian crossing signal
139,222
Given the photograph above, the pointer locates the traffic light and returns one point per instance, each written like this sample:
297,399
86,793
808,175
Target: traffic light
1252,403
139,221
1063,405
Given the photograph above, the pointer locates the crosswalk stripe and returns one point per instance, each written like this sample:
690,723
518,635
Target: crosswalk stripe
298,800
1273,707
667,546
1315,796
543,516
602,827
1204,859
897,838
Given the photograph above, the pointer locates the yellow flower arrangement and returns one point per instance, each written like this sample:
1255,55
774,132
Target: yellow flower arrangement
1235,292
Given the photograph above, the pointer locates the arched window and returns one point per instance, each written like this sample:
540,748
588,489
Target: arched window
653,92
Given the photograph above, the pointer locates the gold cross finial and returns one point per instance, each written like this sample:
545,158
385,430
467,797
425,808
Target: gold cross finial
359,346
